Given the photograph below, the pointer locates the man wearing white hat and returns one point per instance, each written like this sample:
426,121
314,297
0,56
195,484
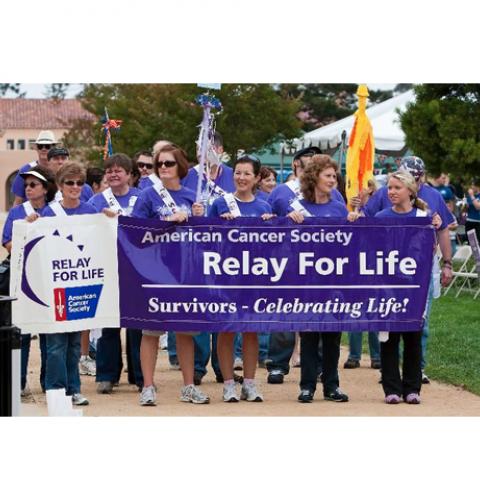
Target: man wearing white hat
45,141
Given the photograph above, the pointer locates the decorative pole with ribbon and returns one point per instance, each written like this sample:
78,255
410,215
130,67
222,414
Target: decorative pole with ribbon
108,125
205,138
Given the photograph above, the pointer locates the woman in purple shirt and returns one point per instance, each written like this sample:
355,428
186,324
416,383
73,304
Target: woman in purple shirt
318,180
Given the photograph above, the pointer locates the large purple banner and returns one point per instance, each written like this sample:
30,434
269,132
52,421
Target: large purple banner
251,275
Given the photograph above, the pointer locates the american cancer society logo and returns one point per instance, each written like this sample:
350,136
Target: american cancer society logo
77,281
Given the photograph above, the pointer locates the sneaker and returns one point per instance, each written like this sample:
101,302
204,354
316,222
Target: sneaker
148,397
275,377
238,379
351,363
79,400
238,364
104,388
392,399
197,378
412,399
305,396
250,393
375,364
337,395
425,379
87,366
174,366
190,394
219,379
230,394
26,393
164,342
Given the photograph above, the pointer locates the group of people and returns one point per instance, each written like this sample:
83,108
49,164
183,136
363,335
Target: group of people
165,187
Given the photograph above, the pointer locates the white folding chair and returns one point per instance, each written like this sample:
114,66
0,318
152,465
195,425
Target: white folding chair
461,258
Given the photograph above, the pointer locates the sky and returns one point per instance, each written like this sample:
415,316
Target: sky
37,90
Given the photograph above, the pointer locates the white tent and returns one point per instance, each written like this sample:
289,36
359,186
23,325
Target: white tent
389,137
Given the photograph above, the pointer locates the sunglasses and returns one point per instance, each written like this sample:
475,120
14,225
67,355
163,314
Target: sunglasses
140,164
74,183
168,163
32,184
44,146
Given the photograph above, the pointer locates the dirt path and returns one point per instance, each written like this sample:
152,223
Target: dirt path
366,397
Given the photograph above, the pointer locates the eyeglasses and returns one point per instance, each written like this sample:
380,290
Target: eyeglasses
32,184
168,164
74,183
44,146
140,164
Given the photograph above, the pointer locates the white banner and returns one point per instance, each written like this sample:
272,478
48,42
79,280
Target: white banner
64,274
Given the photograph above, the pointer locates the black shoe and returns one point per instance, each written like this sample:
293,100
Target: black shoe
351,363
197,378
219,379
305,396
238,379
337,395
275,377
425,379
375,365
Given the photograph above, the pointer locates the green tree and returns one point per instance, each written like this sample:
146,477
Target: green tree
322,104
14,88
56,91
443,127
254,116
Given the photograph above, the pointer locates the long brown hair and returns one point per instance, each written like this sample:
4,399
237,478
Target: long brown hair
315,166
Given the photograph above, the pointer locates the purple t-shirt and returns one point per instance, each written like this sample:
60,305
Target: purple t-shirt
224,179
282,196
332,208
15,213
82,209
379,201
150,205
18,186
254,208
389,212
127,201
261,195
144,183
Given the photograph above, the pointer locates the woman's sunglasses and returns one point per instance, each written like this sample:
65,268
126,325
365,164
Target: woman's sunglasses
167,164
74,183
32,184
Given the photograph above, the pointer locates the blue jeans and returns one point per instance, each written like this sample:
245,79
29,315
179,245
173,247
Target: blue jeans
263,345
172,348
203,350
109,356
25,354
426,331
355,343
63,355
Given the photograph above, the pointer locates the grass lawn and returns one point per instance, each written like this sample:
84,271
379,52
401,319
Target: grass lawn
453,354
454,343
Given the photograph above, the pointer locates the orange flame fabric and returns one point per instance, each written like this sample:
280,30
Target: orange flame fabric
361,149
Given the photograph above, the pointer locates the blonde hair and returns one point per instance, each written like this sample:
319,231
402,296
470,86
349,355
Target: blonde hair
409,182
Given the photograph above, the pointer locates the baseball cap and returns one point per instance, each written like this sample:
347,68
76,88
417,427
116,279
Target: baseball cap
57,152
310,151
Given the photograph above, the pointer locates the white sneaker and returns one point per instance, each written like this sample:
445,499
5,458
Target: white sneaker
79,400
250,393
238,364
191,394
87,366
148,397
164,341
230,393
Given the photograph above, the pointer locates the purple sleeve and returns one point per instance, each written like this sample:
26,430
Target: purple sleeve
218,207
18,187
7,228
374,204
141,209
87,193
